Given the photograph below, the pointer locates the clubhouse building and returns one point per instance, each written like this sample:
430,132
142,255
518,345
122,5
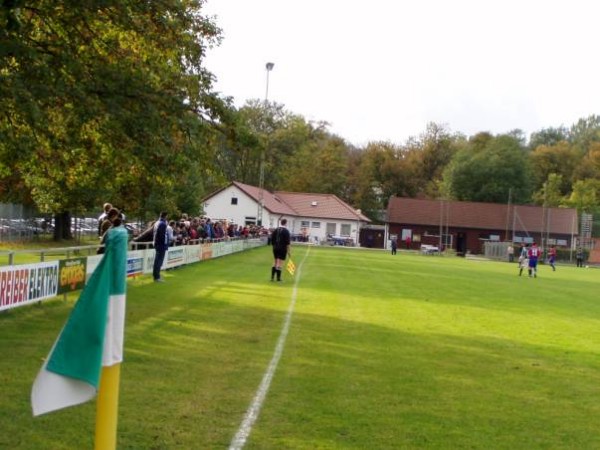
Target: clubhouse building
466,226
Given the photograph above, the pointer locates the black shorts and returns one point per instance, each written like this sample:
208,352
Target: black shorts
279,253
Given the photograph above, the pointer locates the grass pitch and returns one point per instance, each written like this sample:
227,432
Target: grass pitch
383,351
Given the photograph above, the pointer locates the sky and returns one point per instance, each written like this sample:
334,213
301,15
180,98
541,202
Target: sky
380,70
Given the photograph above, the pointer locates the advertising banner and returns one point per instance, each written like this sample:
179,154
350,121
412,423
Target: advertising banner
71,274
175,257
207,251
135,263
27,283
193,253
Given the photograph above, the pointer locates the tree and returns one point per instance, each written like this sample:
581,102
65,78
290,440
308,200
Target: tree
589,165
433,152
548,137
561,159
102,100
550,195
585,132
487,169
585,196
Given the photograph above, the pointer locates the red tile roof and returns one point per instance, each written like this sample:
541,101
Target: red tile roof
324,206
491,216
271,202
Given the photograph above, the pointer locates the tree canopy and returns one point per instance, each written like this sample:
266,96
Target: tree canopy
105,100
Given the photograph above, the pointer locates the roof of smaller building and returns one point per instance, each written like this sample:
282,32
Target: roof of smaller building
325,206
491,216
271,202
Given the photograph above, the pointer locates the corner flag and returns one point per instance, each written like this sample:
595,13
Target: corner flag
91,338
291,267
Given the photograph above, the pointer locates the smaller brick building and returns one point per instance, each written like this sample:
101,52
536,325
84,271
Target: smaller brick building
466,226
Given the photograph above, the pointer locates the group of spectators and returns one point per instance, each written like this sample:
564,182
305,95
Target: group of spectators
183,231
199,229
186,231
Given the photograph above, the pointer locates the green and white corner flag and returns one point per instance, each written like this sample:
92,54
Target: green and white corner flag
91,338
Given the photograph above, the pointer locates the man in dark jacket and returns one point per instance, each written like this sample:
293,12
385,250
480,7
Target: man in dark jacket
280,240
161,244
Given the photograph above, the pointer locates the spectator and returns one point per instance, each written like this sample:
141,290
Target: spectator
208,228
218,231
106,208
171,237
112,217
511,253
161,244
193,231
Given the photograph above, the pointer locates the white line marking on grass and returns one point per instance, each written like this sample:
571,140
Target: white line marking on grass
245,429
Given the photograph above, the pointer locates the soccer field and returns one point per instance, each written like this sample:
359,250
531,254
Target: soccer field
385,352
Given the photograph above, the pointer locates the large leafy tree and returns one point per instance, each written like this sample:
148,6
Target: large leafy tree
584,132
585,196
561,158
102,100
489,169
550,194
431,152
548,136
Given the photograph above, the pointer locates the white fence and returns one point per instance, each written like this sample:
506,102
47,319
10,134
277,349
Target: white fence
29,283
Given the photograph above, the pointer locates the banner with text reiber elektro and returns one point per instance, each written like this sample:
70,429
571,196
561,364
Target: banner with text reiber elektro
20,285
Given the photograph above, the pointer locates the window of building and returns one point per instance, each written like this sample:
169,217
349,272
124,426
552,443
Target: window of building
316,225
304,224
345,229
331,228
234,200
248,220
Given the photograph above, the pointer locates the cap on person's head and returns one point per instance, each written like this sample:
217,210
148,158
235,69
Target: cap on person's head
107,207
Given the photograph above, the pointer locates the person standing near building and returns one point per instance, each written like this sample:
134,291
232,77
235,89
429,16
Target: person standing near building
511,253
280,240
161,245
579,256
552,257
533,255
394,246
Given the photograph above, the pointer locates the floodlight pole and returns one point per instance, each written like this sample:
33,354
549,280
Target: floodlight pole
261,182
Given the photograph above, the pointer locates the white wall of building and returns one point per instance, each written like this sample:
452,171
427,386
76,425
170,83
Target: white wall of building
220,206
320,228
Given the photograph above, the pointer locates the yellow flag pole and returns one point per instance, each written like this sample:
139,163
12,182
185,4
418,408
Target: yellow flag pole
107,408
